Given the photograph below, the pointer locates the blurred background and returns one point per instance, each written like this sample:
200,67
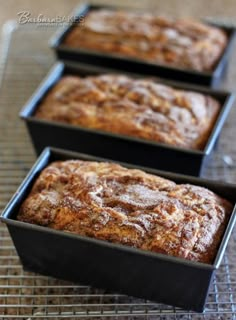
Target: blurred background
200,8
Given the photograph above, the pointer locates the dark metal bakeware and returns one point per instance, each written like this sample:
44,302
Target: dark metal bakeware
115,146
64,52
112,266
26,295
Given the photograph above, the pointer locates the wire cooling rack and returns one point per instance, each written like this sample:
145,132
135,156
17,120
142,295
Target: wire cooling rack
30,296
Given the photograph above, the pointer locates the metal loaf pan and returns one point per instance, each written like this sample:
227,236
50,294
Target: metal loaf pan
63,52
115,146
120,268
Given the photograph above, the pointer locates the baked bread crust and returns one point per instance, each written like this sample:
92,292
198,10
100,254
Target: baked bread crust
181,43
130,207
135,107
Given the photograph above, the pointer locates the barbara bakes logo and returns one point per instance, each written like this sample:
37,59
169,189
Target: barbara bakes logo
25,17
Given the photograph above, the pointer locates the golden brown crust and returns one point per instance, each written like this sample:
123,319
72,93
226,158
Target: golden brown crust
134,107
181,43
109,202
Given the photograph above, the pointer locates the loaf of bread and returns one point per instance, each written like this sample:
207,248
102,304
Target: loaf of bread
181,43
130,207
133,107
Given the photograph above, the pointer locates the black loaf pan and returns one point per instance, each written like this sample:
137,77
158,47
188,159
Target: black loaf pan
115,267
63,52
114,146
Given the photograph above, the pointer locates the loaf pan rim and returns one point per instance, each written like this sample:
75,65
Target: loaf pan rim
44,159
58,68
55,42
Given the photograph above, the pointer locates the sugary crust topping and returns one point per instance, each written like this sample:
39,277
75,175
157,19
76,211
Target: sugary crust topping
181,43
109,202
135,107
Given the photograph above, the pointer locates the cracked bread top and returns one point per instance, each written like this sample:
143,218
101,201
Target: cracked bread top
181,43
139,108
128,206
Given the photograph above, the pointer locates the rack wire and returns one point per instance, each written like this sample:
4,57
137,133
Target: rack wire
30,296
